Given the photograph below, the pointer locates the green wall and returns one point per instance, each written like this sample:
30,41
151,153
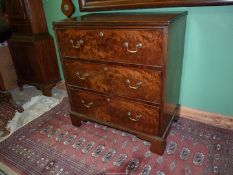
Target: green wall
207,80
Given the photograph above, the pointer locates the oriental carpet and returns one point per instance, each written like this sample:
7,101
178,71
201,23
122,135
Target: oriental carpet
51,145
7,112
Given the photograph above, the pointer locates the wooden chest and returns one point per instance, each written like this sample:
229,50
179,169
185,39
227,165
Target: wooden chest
124,71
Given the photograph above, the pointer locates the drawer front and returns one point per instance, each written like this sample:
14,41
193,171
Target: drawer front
124,113
126,46
89,104
128,82
135,116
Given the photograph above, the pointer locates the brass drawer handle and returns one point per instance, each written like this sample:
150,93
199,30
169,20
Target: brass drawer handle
139,45
133,87
83,76
76,44
101,34
86,105
136,118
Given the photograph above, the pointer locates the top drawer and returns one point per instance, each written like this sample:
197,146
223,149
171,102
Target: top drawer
143,47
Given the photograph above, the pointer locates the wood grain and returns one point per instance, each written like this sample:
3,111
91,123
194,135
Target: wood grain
111,47
148,123
95,45
115,110
113,79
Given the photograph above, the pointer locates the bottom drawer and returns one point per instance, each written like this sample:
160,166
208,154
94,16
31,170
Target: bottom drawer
127,114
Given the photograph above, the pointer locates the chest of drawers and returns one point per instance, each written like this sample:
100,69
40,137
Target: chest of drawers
124,71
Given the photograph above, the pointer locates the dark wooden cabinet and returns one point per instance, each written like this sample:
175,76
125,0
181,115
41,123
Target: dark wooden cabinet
26,16
31,46
124,71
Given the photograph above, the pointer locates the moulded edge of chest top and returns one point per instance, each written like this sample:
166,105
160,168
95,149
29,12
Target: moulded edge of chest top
119,20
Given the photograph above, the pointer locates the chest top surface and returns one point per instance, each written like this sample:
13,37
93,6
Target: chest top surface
140,19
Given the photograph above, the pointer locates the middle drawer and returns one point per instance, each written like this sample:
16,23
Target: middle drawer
127,82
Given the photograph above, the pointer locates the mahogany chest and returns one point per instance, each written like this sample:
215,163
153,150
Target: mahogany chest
124,71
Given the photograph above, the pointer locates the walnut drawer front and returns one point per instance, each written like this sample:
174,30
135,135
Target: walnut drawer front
123,81
143,47
117,111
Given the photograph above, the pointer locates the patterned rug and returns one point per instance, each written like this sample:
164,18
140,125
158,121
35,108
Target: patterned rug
7,112
51,145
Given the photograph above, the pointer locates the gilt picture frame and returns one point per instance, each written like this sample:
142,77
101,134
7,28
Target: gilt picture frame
100,5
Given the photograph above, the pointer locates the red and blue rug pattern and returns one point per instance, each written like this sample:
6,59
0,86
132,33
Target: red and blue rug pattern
51,145
7,112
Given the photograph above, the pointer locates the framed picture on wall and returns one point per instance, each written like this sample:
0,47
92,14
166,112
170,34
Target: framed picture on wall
98,5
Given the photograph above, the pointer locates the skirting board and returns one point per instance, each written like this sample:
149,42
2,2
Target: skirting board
209,118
